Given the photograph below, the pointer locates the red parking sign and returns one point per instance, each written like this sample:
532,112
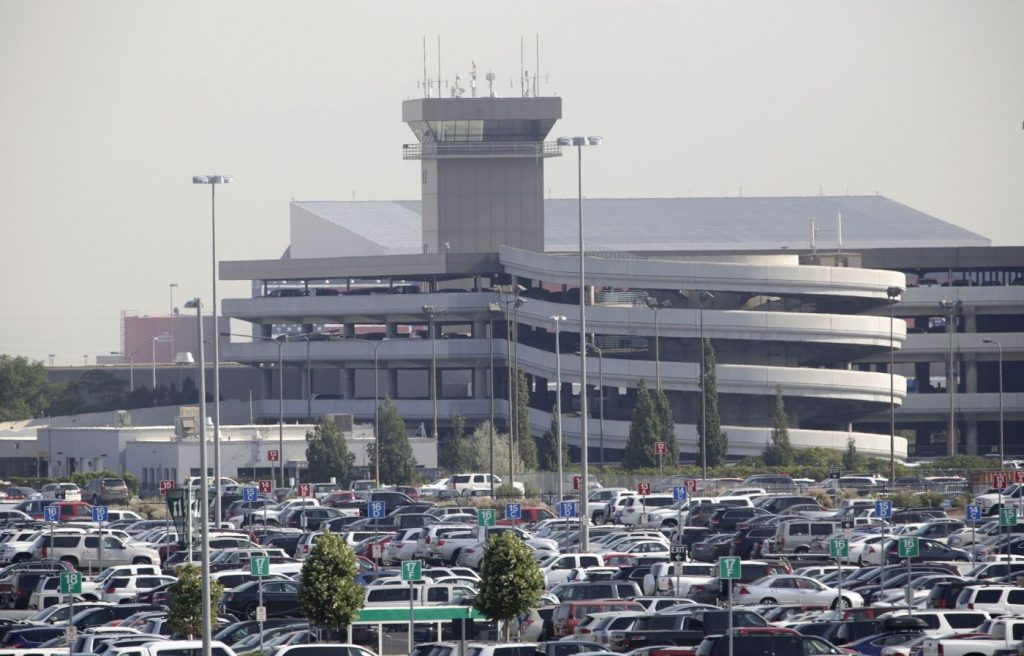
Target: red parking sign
273,455
660,448
577,482
1018,475
690,485
999,481
304,489
266,487
166,485
643,488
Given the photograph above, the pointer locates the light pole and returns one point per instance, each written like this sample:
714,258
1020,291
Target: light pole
655,305
158,338
1002,445
579,142
374,344
600,398
131,368
432,312
703,296
213,181
558,398
509,295
170,288
893,293
952,308
493,308
204,489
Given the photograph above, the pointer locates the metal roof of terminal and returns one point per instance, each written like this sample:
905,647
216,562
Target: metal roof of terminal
685,224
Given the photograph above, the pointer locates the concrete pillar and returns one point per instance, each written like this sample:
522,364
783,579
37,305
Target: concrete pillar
922,374
348,329
970,374
480,388
390,329
970,319
970,428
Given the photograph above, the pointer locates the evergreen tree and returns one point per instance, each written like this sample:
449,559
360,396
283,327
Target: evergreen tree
717,440
851,459
547,454
397,464
185,612
644,430
524,437
457,456
666,428
510,580
327,454
328,593
779,451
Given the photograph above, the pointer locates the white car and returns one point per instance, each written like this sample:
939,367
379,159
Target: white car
122,589
789,589
402,546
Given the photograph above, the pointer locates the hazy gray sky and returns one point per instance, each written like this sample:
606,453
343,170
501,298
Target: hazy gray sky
108,108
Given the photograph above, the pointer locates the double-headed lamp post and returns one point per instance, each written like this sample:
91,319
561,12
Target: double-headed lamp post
158,338
893,293
953,308
204,489
701,297
558,319
1002,444
580,142
213,181
431,313
655,305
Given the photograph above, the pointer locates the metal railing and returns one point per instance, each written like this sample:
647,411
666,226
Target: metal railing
481,149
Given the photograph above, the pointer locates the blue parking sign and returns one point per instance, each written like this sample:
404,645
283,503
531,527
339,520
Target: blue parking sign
972,512
51,513
375,510
250,494
567,509
513,511
99,514
679,493
883,508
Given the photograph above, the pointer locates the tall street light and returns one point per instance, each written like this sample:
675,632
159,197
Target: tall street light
204,489
374,344
171,287
492,308
509,295
558,398
131,368
655,305
213,181
580,142
158,338
431,313
952,308
600,398
893,293
279,340
703,296
1002,445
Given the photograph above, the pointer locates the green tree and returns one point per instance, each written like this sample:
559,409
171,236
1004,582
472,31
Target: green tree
524,436
327,454
779,451
547,453
456,455
851,460
510,580
666,427
644,430
328,593
397,464
24,390
717,440
185,614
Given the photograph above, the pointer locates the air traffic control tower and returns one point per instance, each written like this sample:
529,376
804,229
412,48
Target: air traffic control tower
482,170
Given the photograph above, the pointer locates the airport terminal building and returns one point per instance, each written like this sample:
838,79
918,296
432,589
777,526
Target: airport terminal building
432,301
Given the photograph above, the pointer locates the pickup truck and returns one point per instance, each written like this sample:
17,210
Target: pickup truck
687,628
1003,634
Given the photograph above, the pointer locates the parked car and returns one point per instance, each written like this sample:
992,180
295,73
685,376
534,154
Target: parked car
106,491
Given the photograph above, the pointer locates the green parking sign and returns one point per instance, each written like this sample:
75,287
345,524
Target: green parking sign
259,566
486,516
729,568
909,547
412,570
1008,516
839,548
71,583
